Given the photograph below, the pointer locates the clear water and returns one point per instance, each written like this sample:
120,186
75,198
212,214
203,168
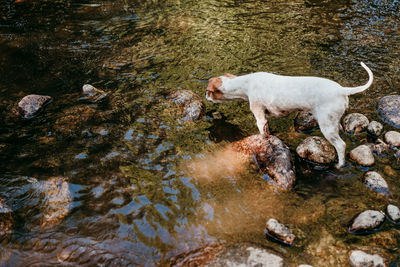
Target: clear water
116,179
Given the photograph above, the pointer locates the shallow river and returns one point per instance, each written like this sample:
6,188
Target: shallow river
109,184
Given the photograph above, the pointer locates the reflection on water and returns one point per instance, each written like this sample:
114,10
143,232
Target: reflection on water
123,182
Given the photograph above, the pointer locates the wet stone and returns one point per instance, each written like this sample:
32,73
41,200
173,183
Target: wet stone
240,254
362,155
355,123
92,94
380,148
393,213
389,109
190,103
280,232
375,128
360,258
375,181
273,157
317,149
305,121
392,138
367,222
30,106
6,219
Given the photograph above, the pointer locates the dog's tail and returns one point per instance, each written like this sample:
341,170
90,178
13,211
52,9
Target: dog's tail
358,89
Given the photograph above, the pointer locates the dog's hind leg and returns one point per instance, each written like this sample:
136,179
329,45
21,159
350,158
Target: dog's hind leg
329,125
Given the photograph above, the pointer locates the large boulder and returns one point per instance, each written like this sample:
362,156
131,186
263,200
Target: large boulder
389,109
30,106
240,254
189,102
272,155
317,149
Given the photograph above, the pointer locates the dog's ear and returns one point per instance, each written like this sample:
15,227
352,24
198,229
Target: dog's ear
213,84
230,76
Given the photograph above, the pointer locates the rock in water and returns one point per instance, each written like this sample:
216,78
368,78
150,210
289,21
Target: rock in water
362,155
280,232
31,105
392,138
393,213
355,123
367,221
375,181
6,219
317,149
389,109
190,103
92,94
305,121
375,128
359,258
272,155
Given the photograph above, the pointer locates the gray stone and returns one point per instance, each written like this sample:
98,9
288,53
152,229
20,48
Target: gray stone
380,148
362,155
389,109
375,181
359,258
367,221
280,232
375,128
392,138
355,123
190,104
305,121
92,94
272,155
393,213
30,106
317,149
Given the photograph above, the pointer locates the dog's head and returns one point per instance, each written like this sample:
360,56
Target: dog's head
215,89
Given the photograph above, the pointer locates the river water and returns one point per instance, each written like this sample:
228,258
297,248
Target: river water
110,184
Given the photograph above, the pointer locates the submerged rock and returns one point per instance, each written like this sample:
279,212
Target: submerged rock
362,155
190,104
367,221
392,138
305,121
6,219
375,181
389,109
92,94
240,254
393,212
355,123
375,128
30,106
380,148
280,232
359,258
317,149
57,202
272,155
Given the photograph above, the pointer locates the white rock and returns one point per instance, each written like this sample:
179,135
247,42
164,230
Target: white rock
280,231
355,123
362,155
375,128
366,221
262,258
316,149
392,138
359,258
393,213
375,181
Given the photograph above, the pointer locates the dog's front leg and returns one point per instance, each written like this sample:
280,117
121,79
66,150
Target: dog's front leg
259,113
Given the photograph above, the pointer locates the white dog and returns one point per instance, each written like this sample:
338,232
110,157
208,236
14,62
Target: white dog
280,95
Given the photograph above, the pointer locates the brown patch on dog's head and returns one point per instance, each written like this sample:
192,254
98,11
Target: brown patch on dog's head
213,91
